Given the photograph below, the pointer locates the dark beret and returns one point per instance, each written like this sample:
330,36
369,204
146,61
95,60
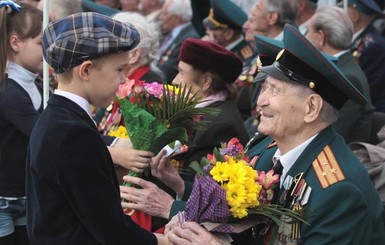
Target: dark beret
208,56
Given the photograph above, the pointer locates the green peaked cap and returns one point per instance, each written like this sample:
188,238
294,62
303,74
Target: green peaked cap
268,49
225,14
89,6
301,62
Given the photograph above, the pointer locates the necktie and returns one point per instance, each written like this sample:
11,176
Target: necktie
278,168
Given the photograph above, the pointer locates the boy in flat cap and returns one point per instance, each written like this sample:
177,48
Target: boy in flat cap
318,172
368,47
72,191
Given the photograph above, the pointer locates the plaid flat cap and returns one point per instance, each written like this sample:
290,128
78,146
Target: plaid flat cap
83,36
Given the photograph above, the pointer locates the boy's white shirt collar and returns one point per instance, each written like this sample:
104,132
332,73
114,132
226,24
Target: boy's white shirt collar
80,101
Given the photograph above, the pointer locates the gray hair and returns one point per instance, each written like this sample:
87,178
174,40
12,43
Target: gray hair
287,10
149,37
181,8
64,8
328,113
336,25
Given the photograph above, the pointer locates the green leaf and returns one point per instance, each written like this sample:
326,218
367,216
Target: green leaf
197,167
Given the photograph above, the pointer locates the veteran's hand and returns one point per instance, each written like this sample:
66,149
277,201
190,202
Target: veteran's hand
162,169
194,234
131,159
150,199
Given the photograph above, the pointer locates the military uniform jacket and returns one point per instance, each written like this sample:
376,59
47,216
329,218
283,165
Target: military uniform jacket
343,206
168,63
72,190
369,49
244,50
354,122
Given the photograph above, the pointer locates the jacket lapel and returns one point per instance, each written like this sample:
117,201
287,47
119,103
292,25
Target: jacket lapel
60,101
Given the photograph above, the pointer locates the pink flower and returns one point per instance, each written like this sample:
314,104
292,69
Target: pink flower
125,89
211,158
268,179
154,88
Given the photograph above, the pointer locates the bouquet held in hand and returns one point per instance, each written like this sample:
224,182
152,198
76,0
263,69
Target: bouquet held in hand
229,196
157,115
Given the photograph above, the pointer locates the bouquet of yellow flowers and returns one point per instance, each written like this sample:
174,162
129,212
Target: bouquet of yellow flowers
229,196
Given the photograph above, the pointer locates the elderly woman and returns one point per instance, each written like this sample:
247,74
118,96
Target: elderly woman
141,57
210,70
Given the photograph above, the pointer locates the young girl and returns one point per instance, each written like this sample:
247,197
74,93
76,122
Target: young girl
21,58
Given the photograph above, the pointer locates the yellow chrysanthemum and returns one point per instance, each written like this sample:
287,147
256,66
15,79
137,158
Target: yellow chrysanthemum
120,132
253,189
235,194
251,172
239,212
220,172
238,174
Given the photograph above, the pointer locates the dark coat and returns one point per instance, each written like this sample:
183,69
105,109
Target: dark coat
354,122
168,63
72,191
17,117
346,211
369,49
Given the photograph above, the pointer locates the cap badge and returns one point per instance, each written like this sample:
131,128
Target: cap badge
280,54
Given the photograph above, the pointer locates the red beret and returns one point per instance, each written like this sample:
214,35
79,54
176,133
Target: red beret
204,55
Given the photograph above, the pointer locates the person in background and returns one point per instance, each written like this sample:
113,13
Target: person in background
306,10
58,9
210,70
21,103
266,18
224,27
338,195
109,3
151,10
91,6
368,47
331,31
175,20
129,5
72,173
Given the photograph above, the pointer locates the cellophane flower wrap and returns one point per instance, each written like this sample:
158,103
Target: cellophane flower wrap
156,114
229,196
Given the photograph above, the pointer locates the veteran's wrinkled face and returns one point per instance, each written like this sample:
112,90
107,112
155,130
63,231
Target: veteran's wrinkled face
188,76
282,108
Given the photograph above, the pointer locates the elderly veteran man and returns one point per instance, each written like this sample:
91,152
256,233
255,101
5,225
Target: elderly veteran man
368,47
224,27
319,172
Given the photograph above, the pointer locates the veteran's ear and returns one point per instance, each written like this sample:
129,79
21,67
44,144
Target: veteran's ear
313,105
